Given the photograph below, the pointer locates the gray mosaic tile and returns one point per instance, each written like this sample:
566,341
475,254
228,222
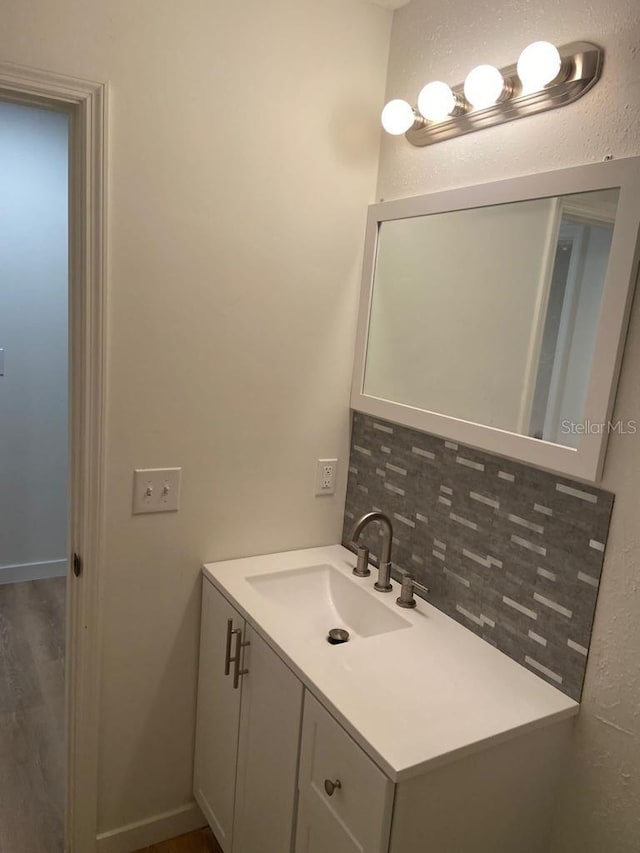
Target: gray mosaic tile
511,552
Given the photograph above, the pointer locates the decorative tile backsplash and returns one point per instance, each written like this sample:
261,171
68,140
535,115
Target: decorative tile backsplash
511,552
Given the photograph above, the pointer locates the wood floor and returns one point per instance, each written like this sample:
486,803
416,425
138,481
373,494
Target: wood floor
32,754
201,841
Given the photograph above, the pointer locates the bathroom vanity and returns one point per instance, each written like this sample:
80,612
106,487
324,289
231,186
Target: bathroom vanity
415,735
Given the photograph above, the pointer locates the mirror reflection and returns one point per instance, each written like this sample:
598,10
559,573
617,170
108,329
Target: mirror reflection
489,315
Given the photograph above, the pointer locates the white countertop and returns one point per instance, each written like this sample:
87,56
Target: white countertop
414,698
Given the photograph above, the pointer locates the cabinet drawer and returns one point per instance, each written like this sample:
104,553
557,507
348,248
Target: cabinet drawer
357,815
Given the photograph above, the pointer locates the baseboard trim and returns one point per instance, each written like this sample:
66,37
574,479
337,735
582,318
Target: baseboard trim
135,836
19,572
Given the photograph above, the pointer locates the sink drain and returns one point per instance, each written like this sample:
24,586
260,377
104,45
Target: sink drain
336,636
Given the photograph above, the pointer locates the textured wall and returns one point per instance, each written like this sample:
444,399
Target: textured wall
33,332
444,39
243,154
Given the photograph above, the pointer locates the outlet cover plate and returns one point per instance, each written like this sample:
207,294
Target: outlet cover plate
326,473
156,490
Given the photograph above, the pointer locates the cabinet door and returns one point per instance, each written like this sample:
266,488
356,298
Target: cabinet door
270,720
356,816
218,716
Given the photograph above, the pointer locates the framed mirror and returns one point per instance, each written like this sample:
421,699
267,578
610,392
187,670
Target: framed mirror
495,315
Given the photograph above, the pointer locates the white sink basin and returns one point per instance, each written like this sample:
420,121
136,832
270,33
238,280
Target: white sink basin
318,598
455,689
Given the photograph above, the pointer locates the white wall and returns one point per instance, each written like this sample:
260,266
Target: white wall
443,39
439,329
33,333
244,150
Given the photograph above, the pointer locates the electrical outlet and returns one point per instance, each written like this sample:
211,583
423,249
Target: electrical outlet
156,489
326,470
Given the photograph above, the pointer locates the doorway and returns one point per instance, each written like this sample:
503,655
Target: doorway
34,473
83,103
568,340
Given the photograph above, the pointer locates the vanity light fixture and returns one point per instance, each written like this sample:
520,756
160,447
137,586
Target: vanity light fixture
437,101
545,77
539,64
398,117
483,86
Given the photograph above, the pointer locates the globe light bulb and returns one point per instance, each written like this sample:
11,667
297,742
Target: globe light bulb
483,86
539,64
397,117
436,101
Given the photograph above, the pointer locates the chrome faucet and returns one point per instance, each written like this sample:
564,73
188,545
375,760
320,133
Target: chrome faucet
383,584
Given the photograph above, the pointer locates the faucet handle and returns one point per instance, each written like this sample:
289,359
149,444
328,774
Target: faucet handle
409,583
362,569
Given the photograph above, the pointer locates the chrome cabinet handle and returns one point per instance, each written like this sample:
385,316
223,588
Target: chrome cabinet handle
330,786
227,656
237,672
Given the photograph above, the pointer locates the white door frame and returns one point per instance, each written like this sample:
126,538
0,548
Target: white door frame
86,103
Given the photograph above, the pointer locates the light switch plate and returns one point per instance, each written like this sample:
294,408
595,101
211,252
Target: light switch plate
156,490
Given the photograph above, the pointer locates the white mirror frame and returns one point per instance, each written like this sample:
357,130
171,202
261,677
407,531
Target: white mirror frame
586,461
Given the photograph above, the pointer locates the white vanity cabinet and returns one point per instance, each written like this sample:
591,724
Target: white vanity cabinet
247,734
498,800
276,772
